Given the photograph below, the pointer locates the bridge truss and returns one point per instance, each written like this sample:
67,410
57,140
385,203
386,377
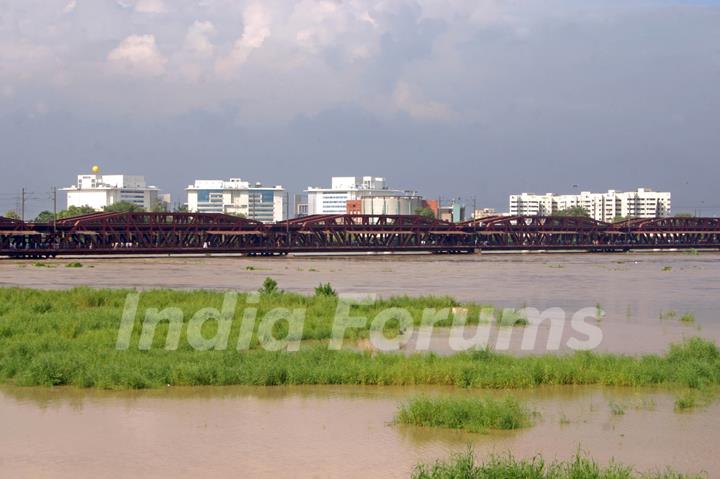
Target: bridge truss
193,233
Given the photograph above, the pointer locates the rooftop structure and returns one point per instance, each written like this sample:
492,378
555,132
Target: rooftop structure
99,191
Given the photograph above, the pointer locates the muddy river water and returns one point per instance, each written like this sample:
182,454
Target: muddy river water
319,432
324,432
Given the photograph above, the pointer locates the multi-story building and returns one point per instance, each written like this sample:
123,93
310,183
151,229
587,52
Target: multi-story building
643,203
99,191
454,212
334,200
238,197
481,213
301,205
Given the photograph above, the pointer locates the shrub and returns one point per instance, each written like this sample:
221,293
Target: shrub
324,290
269,287
686,400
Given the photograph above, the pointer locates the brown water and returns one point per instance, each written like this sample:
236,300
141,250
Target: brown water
629,284
347,431
319,432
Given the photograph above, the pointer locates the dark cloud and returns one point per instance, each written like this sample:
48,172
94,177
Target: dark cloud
477,99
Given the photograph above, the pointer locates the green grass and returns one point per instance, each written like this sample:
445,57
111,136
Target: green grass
617,409
686,400
511,317
325,289
464,466
68,337
472,414
687,318
90,308
693,398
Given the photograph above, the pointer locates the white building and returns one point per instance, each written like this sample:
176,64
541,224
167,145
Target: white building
334,200
98,191
238,197
643,203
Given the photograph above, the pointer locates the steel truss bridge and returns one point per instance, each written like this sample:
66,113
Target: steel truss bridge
200,233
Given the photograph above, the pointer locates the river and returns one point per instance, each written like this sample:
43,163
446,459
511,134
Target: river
325,432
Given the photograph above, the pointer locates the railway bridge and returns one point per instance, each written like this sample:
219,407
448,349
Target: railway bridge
197,233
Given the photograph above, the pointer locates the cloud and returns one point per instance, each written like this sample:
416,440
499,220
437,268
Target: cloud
70,7
407,100
150,6
144,6
197,40
256,29
137,55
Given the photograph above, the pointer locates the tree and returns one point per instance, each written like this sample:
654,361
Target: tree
75,211
122,207
181,208
425,211
12,215
44,217
159,207
572,211
684,215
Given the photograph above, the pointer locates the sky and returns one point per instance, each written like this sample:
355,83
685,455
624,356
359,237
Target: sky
476,99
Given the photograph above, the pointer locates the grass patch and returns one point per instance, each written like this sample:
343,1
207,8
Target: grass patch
464,466
668,314
693,398
686,400
616,409
666,269
472,414
74,265
509,317
68,337
325,289
687,318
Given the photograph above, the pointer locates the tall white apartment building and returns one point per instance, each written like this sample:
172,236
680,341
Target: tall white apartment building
98,191
334,200
643,203
238,197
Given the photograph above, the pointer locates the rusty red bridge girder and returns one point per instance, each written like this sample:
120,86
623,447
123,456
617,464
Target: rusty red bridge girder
197,233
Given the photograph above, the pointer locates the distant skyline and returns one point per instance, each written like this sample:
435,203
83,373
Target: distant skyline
450,98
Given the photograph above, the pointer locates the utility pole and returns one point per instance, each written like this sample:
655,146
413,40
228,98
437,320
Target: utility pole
287,219
22,205
54,193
